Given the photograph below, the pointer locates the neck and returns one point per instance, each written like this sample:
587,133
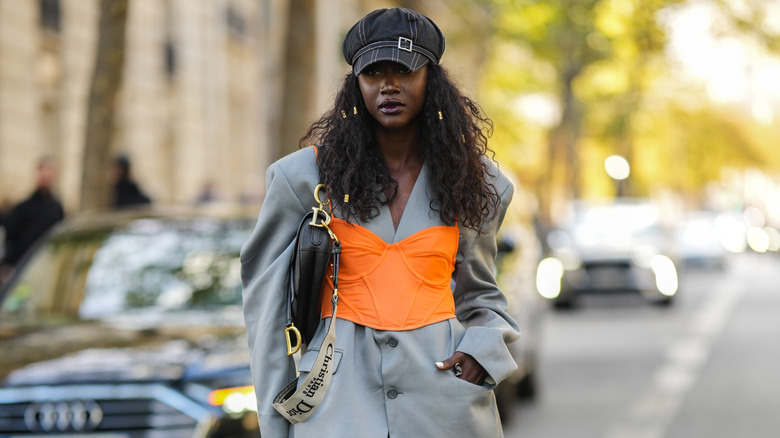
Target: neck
399,148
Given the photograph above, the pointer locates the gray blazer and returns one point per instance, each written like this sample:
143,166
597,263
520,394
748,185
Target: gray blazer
385,382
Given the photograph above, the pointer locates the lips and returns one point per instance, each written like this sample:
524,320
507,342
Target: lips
391,107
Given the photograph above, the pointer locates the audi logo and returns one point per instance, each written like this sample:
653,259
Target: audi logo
63,416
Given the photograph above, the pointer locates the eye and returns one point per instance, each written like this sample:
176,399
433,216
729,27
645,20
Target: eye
371,71
404,71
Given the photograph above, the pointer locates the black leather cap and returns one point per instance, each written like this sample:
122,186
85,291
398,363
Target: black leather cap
397,34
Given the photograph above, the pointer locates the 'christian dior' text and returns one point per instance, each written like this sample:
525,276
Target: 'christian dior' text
316,382
313,385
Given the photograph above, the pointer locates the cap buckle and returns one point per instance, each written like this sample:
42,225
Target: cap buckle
405,44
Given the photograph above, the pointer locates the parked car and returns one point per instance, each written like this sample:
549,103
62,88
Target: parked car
702,237
129,325
519,251
614,246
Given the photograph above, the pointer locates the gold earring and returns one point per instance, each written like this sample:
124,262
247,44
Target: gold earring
346,198
343,114
441,117
354,110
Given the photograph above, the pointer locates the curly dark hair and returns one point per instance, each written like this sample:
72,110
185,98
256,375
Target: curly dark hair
453,147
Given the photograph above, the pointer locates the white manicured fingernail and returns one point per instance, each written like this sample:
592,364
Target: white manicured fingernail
439,364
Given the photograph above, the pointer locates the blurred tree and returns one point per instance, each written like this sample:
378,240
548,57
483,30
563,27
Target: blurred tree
617,87
686,139
298,103
106,82
751,18
594,60
556,33
272,18
684,149
411,4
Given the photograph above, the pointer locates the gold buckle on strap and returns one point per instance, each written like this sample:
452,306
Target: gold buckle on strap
323,223
298,339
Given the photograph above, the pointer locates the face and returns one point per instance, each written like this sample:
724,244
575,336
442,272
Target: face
46,175
393,94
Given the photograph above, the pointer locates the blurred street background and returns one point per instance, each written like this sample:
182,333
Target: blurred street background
706,368
670,103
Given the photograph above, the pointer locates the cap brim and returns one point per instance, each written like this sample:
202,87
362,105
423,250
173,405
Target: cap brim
411,60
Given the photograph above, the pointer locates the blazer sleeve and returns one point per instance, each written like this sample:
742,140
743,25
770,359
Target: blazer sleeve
479,303
265,259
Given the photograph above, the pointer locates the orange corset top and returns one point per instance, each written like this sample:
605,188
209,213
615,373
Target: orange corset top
399,286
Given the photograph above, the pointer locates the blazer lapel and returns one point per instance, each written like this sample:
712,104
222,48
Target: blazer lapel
417,215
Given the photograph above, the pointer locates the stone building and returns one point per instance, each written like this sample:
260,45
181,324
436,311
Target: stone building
187,115
203,103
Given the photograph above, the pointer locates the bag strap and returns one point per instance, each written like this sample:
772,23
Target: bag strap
298,403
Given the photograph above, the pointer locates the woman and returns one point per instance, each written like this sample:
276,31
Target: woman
421,324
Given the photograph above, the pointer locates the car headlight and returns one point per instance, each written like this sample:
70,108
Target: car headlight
548,277
665,275
234,401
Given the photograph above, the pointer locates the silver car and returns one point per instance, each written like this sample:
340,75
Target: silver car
609,247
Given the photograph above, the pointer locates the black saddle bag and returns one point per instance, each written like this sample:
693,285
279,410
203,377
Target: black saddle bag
313,247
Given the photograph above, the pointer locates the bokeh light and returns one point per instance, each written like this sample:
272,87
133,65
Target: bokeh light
617,167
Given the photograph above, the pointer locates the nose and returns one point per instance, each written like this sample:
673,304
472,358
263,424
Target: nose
390,84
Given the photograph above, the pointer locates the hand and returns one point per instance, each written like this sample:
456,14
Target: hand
472,371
